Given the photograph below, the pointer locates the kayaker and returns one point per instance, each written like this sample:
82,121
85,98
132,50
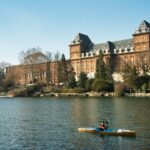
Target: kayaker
102,126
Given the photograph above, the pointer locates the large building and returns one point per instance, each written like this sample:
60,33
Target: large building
83,55
83,52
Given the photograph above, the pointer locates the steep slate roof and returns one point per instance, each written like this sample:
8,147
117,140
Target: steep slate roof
144,27
82,38
123,43
114,45
102,46
108,46
144,24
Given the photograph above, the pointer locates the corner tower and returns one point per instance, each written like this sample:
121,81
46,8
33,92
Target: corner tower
81,44
141,37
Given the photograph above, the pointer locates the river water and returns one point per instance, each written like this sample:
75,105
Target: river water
51,123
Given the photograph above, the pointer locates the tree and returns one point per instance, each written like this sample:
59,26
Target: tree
48,56
102,85
100,67
8,82
48,70
56,70
130,75
119,89
82,80
144,79
109,68
103,78
3,66
30,59
144,63
88,84
63,72
144,87
71,81
32,56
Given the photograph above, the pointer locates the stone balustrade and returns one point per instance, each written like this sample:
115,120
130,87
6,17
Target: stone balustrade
107,51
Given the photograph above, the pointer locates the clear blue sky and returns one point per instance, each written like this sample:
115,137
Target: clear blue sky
52,24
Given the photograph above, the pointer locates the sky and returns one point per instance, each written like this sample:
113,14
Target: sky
53,24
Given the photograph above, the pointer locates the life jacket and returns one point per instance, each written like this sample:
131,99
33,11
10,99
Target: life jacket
102,126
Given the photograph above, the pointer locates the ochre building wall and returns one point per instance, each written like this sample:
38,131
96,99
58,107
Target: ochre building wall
83,62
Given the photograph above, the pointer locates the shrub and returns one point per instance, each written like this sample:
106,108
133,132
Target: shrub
144,87
67,90
78,90
102,85
74,90
119,89
141,80
31,89
1,89
88,84
46,89
28,91
20,92
56,90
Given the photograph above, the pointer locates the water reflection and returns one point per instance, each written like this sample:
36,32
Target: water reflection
51,123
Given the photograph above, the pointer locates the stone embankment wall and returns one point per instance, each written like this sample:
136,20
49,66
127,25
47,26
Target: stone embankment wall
138,94
92,94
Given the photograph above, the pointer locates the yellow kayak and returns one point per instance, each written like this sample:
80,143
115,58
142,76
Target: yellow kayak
117,132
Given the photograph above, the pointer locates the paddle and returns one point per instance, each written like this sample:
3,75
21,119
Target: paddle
107,124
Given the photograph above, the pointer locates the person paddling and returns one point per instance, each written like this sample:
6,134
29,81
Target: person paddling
102,126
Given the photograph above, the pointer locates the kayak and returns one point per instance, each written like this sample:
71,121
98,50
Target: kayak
117,132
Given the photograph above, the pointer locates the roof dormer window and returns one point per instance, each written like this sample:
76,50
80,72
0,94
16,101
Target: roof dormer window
144,29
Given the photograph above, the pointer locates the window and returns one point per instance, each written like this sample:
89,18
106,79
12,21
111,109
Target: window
144,47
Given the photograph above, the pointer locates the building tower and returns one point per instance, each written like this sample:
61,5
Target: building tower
80,44
141,37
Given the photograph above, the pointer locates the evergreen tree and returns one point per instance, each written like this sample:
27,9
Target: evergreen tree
88,84
57,70
100,67
63,73
103,78
82,80
71,81
130,76
109,69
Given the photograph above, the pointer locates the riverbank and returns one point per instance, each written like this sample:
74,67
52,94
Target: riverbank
87,94
137,94
93,94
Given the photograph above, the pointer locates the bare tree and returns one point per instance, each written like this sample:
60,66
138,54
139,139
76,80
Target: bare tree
32,56
48,55
48,72
56,67
144,63
3,66
30,59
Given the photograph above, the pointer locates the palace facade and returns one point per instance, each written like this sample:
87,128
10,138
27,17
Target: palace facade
84,53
